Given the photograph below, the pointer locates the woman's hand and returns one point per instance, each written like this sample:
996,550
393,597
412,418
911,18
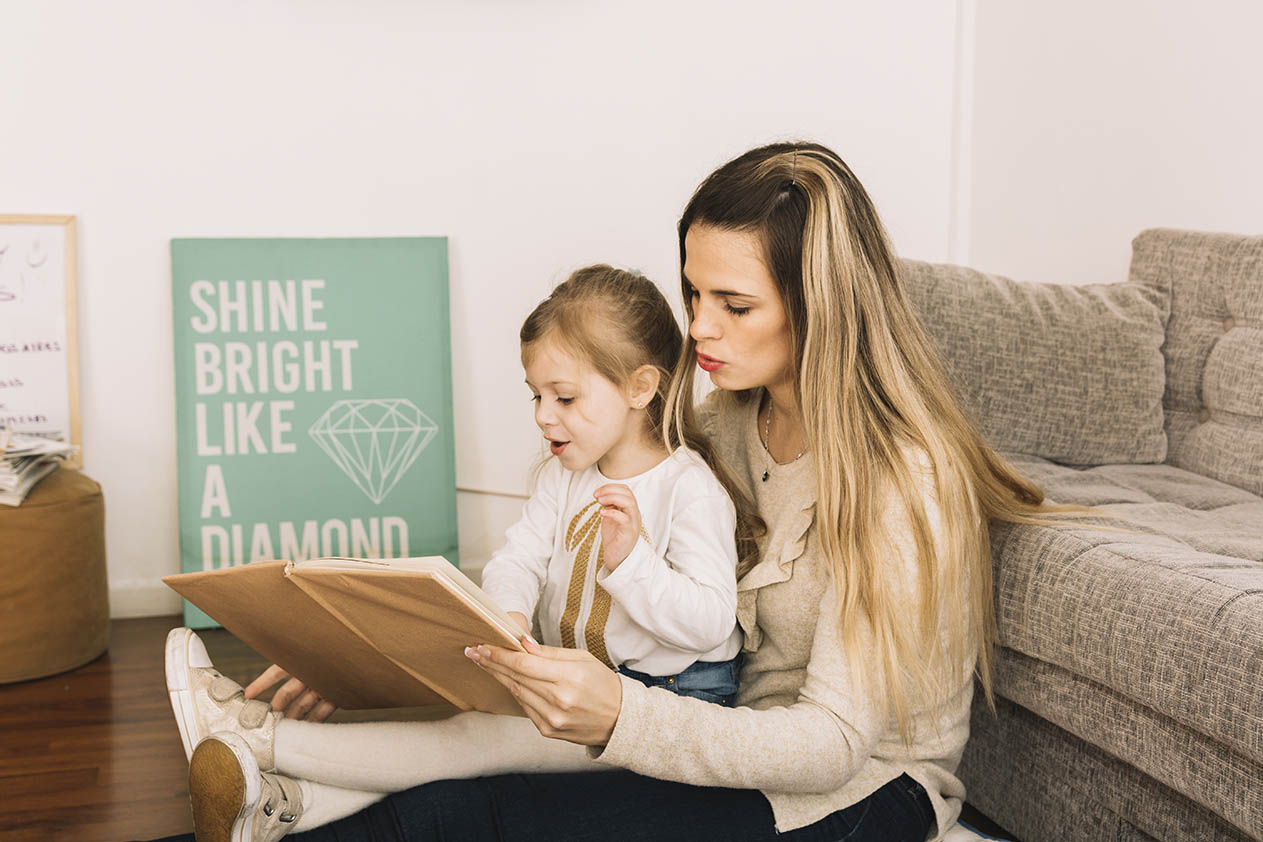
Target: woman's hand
520,618
294,698
620,523
567,693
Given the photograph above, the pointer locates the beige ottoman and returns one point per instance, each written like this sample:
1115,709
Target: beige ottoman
54,599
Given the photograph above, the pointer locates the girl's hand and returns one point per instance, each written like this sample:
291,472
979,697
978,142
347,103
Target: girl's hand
520,618
620,523
567,693
294,698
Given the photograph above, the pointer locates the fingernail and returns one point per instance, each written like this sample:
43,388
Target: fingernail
470,653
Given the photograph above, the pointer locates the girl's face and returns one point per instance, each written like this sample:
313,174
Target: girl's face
739,322
584,417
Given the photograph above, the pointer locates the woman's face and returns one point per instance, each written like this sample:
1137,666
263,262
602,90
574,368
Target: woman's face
739,322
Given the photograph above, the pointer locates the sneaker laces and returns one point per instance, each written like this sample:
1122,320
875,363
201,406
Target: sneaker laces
253,713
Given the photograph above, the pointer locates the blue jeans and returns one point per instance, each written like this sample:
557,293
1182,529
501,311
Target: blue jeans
615,806
711,681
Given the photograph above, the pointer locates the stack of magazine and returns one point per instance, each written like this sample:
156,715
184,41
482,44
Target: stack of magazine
24,461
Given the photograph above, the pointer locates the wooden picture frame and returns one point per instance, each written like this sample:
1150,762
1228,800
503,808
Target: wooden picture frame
39,327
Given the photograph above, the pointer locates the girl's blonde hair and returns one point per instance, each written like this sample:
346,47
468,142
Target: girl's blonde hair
617,321
869,382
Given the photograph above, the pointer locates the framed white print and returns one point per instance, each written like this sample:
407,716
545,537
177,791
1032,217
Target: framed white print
39,330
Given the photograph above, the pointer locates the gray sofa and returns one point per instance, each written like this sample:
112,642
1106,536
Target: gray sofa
1130,665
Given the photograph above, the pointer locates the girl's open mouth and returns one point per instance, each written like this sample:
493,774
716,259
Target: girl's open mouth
557,446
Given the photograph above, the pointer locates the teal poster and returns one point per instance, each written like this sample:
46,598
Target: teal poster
313,386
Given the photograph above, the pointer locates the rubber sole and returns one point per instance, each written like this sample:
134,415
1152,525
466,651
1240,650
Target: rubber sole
184,651
224,789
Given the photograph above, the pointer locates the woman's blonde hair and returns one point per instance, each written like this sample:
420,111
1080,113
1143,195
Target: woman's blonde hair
617,321
869,383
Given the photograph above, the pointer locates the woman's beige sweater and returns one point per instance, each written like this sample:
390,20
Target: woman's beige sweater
801,733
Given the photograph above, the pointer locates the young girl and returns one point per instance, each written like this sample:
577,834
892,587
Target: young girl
628,541
628,547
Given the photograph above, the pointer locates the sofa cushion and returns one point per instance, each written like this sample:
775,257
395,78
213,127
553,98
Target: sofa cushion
1047,785
1214,349
1173,754
1068,373
1170,616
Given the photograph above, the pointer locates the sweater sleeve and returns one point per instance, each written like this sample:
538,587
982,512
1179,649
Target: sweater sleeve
516,573
687,597
814,745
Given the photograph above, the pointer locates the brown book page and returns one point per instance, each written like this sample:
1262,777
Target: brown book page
421,623
275,618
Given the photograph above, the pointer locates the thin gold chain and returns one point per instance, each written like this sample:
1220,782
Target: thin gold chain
767,438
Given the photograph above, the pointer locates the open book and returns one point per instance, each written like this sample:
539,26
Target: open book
364,633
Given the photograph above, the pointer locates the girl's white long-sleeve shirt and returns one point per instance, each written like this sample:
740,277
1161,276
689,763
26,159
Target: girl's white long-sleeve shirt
670,603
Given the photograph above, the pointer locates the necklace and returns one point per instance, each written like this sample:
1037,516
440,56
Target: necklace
767,444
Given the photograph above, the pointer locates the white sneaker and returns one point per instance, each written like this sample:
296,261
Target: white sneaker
232,800
205,702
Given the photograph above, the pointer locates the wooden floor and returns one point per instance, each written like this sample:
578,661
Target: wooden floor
93,755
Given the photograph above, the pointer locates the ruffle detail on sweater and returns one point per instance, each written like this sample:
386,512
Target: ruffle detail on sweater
771,571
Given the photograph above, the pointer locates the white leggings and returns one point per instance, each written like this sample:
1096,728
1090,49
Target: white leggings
344,767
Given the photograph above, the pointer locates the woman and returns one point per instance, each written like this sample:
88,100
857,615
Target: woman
866,613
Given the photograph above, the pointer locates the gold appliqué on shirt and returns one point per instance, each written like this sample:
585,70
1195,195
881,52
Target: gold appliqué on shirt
582,535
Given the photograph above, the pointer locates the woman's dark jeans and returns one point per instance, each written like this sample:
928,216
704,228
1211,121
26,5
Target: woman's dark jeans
615,806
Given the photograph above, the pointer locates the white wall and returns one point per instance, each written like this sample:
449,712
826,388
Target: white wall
538,136
1095,120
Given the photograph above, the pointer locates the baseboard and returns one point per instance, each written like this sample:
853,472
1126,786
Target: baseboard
142,598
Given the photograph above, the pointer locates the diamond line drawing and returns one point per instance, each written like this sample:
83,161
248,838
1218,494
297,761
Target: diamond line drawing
373,441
